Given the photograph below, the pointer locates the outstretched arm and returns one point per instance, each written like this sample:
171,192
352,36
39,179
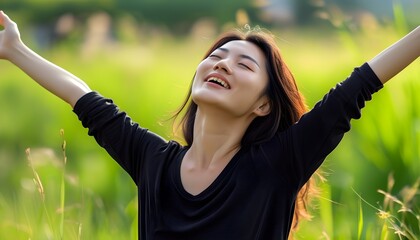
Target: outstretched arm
50,76
395,58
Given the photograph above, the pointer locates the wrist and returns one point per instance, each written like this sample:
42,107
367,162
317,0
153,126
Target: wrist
16,51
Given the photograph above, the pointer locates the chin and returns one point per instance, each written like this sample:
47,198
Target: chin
200,100
205,96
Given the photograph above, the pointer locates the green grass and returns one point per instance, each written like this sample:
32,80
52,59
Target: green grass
87,196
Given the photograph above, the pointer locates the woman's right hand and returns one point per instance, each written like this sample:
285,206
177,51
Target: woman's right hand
9,36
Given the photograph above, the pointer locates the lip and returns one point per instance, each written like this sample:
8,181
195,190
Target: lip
221,77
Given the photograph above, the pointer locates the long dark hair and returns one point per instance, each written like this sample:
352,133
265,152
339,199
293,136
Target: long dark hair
286,103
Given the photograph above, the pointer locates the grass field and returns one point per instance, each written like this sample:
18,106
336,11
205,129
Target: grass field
56,183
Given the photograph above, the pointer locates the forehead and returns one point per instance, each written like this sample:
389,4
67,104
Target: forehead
243,47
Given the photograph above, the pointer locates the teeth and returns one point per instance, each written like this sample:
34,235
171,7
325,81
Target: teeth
220,81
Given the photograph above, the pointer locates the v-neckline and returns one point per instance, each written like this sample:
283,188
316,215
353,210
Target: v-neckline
213,185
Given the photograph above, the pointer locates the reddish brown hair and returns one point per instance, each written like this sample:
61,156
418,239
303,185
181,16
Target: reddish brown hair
287,104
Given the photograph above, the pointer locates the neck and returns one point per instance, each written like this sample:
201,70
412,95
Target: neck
217,137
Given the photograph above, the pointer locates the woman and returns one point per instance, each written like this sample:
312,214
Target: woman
250,150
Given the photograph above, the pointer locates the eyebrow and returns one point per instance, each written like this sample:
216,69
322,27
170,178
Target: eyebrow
241,55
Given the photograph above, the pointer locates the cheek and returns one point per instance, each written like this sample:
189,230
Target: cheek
199,72
202,69
257,84
194,84
197,84
203,66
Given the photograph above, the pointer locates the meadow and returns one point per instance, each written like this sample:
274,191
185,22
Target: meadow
56,183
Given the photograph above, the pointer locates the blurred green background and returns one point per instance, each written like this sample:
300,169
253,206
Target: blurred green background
143,55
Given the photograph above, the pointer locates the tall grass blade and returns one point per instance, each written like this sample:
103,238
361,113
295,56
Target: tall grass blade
63,185
360,223
325,208
38,184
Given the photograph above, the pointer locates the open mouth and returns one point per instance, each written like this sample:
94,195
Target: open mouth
219,82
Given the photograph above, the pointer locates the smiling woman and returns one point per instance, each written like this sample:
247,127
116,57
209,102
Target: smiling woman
251,144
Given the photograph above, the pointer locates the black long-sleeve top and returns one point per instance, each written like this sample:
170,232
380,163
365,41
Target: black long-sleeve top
253,197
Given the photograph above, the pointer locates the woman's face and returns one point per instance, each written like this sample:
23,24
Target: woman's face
233,78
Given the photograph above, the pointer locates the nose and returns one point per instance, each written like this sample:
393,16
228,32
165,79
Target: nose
222,65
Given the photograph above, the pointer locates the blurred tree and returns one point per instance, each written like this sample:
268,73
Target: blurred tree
178,15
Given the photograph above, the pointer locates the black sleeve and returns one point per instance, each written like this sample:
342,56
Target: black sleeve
320,130
123,139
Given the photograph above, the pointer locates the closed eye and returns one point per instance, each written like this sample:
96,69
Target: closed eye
215,56
245,66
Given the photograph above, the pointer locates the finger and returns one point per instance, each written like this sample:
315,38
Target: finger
2,16
4,19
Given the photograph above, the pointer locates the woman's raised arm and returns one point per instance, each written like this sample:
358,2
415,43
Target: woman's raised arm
50,76
395,58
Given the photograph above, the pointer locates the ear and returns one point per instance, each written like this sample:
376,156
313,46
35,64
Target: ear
264,108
